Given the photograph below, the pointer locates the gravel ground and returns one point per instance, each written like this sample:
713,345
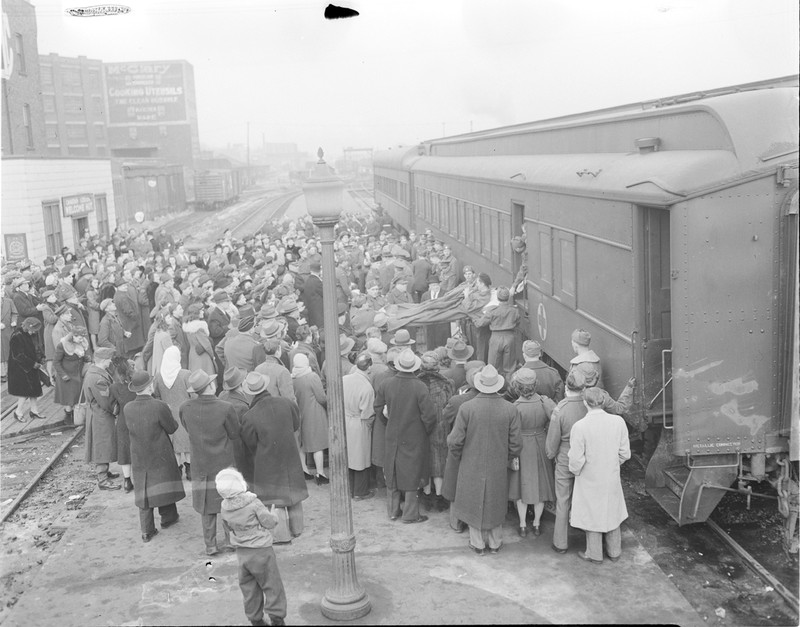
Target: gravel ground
718,584
31,533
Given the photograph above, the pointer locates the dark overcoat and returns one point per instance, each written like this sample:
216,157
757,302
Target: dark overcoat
67,392
411,418
212,426
451,466
121,396
486,435
268,433
101,430
312,298
23,355
440,389
130,316
155,472
111,334
9,314
379,426
241,456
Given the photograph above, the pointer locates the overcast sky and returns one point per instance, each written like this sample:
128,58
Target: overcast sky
408,70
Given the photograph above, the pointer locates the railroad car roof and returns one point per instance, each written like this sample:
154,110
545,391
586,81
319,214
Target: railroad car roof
401,157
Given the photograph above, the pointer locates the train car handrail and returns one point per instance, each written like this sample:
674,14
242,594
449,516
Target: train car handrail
664,384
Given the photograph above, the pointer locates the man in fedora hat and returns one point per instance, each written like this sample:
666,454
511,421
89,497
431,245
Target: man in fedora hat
232,380
101,430
213,427
486,438
219,316
459,352
410,417
346,345
449,414
280,379
241,348
268,432
156,475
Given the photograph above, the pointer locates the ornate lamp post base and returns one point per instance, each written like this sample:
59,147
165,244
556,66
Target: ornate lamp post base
343,608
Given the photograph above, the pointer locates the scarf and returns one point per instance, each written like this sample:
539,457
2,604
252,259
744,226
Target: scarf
300,371
170,366
73,347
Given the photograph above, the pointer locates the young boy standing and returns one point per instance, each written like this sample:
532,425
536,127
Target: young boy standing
248,521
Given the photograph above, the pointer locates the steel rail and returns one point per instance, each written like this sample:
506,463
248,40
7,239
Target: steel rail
755,566
33,483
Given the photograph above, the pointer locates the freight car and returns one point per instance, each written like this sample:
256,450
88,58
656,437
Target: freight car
669,231
215,189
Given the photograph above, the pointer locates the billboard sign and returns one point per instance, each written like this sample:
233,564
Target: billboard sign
77,205
148,92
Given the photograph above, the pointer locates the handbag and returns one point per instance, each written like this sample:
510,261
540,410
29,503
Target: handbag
44,378
79,410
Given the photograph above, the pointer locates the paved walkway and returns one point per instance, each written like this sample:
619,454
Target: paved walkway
101,573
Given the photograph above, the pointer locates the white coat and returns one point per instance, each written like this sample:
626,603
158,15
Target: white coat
359,397
598,447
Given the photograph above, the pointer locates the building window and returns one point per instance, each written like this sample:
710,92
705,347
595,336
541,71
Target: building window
94,80
101,210
76,131
51,132
99,131
78,151
97,106
71,78
73,105
26,121
19,44
52,227
49,103
46,74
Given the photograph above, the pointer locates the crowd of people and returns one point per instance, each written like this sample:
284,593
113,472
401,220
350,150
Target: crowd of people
189,363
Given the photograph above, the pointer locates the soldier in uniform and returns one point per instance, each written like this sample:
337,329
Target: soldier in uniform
502,322
101,430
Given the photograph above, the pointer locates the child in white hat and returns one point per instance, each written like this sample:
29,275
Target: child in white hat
248,522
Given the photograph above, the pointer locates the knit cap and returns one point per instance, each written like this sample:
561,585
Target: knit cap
230,482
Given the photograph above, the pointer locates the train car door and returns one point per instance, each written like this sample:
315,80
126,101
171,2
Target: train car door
657,334
519,258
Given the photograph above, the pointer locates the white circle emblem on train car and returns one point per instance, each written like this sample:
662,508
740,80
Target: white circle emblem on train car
541,321
139,216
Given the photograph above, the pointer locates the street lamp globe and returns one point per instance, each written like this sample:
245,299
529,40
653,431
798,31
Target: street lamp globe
323,192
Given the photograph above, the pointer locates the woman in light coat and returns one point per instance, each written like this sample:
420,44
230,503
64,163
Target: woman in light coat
312,403
171,386
201,351
359,416
598,447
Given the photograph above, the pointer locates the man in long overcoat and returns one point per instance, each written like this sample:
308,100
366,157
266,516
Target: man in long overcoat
127,300
268,433
212,426
486,437
232,392
156,475
101,426
449,413
312,295
411,417
598,447
359,414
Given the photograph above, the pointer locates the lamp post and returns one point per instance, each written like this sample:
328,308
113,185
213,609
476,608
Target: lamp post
346,599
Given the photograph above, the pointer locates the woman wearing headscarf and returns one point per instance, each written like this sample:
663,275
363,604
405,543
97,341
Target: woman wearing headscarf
312,403
122,371
72,353
171,386
441,389
533,483
25,361
201,352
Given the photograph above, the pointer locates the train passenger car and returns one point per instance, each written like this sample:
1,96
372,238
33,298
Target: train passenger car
670,233
215,189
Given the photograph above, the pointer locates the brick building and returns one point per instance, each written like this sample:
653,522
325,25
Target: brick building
74,106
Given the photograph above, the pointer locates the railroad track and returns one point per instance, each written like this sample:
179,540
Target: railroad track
749,560
362,196
275,207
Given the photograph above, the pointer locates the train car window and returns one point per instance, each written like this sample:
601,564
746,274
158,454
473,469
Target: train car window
452,219
542,258
564,270
443,214
486,232
505,241
494,225
469,223
460,217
